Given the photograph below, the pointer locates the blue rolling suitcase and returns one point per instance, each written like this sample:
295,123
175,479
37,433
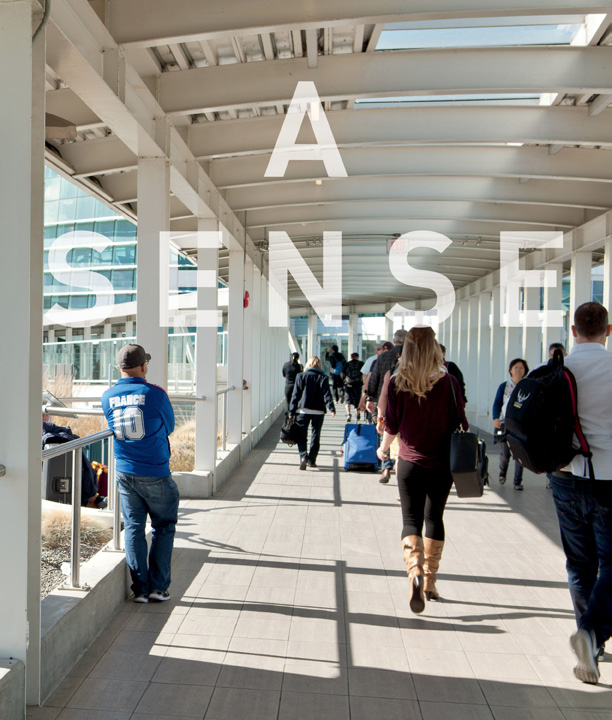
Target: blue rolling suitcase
359,447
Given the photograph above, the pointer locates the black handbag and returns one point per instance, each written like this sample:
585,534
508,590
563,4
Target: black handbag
468,460
291,432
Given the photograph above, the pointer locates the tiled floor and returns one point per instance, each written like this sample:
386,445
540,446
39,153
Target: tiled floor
290,603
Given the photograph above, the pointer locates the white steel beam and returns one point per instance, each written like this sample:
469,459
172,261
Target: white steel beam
580,285
235,353
414,126
82,52
146,23
373,162
391,74
405,210
552,302
597,196
600,103
607,276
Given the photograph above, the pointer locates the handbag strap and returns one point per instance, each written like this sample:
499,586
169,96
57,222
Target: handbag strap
460,426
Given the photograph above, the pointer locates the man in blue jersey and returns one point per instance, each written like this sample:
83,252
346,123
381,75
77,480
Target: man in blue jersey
141,417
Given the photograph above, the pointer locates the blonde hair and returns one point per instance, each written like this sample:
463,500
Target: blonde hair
420,362
313,362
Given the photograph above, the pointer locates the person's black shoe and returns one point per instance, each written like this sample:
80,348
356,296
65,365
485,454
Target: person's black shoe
502,479
518,487
303,463
384,478
312,464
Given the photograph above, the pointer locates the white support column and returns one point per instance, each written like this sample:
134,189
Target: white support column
478,396
388,329
256,350
107,330
552,301
470,368
263,375
129,328
353,339
531,350
21,287
235,340
460,352
68,334
206,412
153,218
607,277
580,286
312,331
247,371
514,344
499,363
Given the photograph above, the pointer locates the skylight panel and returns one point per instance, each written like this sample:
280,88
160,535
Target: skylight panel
404,36
465,99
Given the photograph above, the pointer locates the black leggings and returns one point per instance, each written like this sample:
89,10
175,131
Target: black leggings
423,492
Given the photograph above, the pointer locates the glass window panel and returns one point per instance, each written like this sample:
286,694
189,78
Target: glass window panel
104,257
122,279
80,256
78,301
124,297
106,228
124,254
52,188
51,210
86,208
47,302
125,229
67,189
102,211
66,211
48,280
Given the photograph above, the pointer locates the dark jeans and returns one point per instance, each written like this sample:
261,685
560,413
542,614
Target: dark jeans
584,509
288,394
423,493
159,498
315,422
337,387
504,461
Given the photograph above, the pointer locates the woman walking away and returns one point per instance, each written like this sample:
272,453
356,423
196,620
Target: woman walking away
291,370
422,410
310,398
518,369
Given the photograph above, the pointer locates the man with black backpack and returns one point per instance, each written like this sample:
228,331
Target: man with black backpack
583,493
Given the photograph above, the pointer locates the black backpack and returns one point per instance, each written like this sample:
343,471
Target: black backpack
542,419
352,373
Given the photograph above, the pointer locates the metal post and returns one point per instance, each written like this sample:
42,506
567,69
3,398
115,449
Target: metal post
114,494
224,424
75,554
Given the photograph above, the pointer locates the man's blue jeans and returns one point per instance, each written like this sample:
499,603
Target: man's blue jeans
159,498
584,509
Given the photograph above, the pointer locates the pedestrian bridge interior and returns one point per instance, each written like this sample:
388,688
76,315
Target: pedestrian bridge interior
461,119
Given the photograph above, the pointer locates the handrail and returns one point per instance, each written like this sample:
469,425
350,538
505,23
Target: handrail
78,444
71,412
178,398
226,390
75,447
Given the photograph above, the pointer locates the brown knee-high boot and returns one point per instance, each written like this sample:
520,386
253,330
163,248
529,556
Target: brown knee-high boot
413,557
433,553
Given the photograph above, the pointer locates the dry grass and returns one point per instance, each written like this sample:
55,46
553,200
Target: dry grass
182,443
57,528
62,386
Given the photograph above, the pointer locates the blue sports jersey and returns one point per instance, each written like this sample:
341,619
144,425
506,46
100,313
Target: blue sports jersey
141,417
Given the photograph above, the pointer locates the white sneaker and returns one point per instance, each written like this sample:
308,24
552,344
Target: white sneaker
584,645
159,596
140,599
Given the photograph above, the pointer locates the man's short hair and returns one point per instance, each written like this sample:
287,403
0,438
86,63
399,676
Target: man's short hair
335,348
399,336
443,348
591,320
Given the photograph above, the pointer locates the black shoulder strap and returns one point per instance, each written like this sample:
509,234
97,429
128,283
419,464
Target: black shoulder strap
585,450
450,379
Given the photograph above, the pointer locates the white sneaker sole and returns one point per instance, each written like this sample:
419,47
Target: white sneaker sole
586,670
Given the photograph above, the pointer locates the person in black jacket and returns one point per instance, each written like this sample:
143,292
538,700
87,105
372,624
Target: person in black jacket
337,361
291,370
453,369
353,382
311,396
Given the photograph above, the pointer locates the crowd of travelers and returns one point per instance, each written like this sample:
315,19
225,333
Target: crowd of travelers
417,399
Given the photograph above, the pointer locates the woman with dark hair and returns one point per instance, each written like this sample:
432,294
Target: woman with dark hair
311,397
291,369
424,406
518,369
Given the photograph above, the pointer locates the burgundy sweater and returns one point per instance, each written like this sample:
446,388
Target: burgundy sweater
425,428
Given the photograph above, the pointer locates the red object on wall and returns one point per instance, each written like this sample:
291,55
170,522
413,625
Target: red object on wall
247,297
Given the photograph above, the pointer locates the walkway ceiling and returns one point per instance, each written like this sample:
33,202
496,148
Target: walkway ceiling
462,117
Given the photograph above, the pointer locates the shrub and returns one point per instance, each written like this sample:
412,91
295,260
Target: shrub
57,528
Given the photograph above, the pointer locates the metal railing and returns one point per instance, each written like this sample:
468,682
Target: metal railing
76,448
224,392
